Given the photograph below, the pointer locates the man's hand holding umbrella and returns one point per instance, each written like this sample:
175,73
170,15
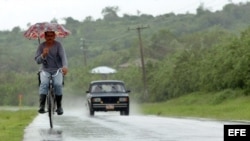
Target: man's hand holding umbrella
45,52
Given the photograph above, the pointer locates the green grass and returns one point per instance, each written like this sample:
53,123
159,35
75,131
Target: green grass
13,123
226,105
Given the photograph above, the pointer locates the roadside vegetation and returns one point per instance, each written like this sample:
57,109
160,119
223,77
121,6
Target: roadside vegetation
226,105
13,123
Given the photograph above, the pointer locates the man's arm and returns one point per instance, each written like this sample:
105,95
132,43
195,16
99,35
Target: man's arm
38,57
63,56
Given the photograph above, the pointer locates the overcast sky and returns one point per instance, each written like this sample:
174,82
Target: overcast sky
21,12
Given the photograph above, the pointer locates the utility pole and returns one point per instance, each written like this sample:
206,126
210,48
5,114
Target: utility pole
84,50
139,28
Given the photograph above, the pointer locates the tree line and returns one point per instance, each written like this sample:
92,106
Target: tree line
185,53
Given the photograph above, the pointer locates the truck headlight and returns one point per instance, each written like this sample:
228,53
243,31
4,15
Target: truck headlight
123,99
96,100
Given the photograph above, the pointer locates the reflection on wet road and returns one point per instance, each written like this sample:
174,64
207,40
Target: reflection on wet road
78,126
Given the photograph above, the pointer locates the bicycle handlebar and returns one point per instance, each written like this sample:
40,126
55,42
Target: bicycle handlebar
59,70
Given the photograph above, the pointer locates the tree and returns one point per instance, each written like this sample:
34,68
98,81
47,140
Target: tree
110,13
88,19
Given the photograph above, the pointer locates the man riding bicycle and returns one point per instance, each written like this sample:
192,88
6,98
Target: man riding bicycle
52,56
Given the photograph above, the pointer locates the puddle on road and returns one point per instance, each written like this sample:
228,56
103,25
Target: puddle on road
69,128
51,134
83,128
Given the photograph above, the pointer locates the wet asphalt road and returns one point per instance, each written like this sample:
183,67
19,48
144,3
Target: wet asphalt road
78,126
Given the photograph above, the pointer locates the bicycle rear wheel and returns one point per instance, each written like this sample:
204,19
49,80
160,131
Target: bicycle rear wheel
51,107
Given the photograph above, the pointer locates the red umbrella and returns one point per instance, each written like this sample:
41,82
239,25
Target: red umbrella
37,30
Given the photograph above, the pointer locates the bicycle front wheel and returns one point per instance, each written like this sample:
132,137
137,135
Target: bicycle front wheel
51,107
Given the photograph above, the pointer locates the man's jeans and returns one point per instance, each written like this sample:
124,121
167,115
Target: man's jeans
57,82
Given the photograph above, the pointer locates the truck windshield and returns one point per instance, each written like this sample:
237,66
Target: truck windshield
107,87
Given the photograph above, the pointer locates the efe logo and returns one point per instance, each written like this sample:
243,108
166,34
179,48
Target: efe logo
237,132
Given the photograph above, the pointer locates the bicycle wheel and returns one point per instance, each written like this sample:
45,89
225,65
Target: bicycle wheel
51,107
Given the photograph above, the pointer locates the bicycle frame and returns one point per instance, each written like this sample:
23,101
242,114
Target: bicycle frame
51,102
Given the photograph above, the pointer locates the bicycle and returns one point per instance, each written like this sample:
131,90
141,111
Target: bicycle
51,102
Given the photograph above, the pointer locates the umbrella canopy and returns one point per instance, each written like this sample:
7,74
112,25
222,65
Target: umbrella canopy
103,70
37,30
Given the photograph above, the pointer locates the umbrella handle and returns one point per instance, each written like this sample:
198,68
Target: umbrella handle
39,40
